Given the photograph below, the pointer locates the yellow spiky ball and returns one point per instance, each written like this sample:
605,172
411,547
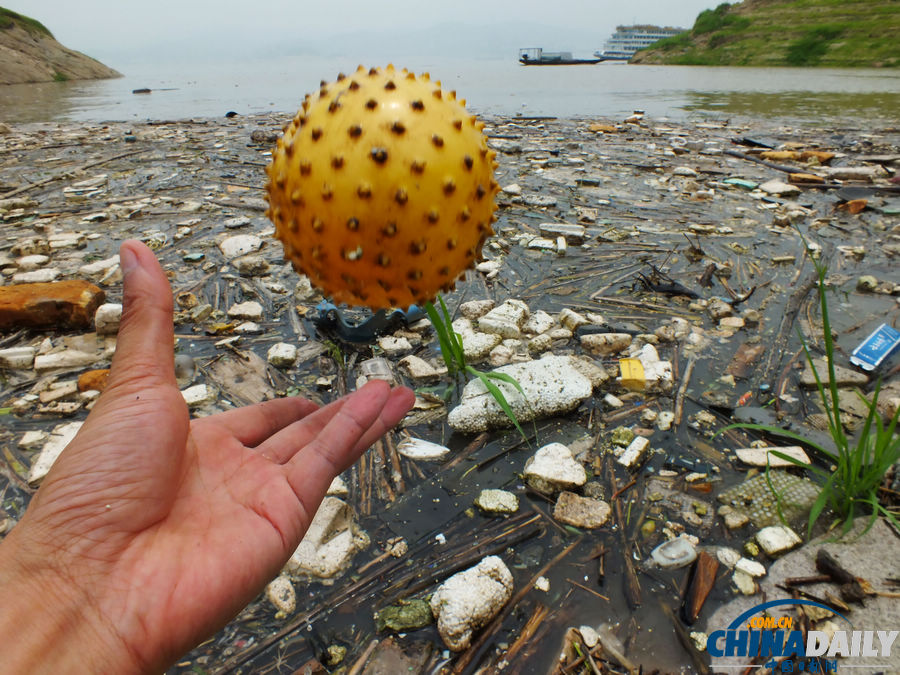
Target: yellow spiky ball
382,188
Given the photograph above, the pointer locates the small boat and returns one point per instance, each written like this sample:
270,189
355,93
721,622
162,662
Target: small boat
536,56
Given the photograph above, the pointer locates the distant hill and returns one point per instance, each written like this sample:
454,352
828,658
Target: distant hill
30,53
830,33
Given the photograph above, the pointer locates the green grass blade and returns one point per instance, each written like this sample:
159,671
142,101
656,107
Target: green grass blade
778,431
443,330
498,396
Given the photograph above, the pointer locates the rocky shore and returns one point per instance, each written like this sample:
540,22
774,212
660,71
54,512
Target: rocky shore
646,287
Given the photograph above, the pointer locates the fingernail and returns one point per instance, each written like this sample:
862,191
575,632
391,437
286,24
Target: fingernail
127,260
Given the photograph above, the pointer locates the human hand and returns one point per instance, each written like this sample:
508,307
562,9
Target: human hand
152,530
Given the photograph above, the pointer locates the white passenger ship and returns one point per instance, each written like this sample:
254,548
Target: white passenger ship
629,39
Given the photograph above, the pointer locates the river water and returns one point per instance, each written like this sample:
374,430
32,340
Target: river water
501,87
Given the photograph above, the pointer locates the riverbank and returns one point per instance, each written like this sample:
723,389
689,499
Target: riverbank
766,33
30,53
679,236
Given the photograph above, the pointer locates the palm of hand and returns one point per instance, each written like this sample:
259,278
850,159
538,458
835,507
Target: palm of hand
166,526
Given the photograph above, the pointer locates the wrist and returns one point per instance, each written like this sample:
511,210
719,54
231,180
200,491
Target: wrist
49,626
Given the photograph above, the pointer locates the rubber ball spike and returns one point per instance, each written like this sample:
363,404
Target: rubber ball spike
417,218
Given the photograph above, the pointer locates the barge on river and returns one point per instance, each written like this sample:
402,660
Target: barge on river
536,56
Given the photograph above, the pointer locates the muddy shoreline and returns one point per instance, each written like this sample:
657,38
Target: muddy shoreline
689,240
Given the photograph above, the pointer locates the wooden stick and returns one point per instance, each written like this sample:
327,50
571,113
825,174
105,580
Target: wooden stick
682,390
585,588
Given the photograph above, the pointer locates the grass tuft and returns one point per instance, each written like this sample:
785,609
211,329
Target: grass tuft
455,360
860,464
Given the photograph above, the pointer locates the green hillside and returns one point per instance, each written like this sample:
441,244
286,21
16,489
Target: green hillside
828,33
8,19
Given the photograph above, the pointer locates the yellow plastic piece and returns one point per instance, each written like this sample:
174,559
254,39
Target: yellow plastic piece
632,374
381,189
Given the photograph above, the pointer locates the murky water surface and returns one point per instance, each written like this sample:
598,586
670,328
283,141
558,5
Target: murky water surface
642,215
502,87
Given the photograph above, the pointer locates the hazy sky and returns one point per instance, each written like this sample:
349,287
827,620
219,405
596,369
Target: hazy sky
108,27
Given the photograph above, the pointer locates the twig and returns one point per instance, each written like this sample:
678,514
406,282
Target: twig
361,661
585,588
682,390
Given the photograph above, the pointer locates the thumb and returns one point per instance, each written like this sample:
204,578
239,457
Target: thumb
144,349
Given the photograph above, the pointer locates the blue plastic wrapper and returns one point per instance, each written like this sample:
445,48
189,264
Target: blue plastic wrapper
876,348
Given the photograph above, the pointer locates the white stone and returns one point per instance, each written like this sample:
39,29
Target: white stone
419,370
573,234
28,263
60,437
553,469
592,370
777,539
763,456
394,346
634,452
282,355
778,187
513,189
417,448
542,584
251,265
542,243
657,373
239,245
605,343
32,439
250,310
338,488
683,171
470,599
107,318
500,356
718,309
497,501
590,636
540,343
613,401
65,240
505,320
664,420
728,556
17,357
40,276
59,390
744,582
476,345
475,309
330,542
100,268
280,592
750,567
248,327
552,385
198,395
571,319
539,322
559,333
68,358
731,322
490,268
579,511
